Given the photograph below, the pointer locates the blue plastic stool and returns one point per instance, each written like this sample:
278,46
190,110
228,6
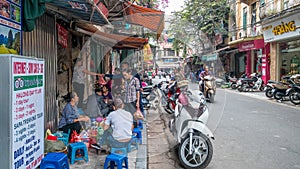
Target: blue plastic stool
122,151
140,124
72,152
55,161
115,159
64,137
133,142
138,133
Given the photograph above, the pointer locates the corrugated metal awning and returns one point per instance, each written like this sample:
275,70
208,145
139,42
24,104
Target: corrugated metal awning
149,18
82,10
114,40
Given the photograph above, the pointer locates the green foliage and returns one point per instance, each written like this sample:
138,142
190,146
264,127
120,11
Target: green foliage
207,16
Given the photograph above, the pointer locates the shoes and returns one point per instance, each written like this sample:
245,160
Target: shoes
96,146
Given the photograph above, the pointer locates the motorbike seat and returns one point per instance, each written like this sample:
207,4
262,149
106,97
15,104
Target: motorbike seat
272,81
247,79
145,93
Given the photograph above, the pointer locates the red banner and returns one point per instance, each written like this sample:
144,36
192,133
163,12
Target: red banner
62,36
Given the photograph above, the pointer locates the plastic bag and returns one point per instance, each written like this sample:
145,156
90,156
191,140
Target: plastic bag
75,137
101,80
138,115
53,146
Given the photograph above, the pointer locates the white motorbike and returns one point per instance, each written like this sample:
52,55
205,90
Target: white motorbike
190,130
157,98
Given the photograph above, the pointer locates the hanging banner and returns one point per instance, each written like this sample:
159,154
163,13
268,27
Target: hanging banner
148,56
62,36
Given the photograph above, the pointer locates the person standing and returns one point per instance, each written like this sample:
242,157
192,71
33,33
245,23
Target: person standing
125,65
132,96
78,79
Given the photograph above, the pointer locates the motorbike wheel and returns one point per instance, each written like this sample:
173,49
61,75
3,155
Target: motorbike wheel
233,86
202,152
240,88
295,97
211,97
269,93
277,95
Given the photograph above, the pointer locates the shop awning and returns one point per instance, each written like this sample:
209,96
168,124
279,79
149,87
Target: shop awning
114,40
221,49
82,9
146,17
236,42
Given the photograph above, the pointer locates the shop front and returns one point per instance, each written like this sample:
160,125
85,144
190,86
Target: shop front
248,56
253,51
283,35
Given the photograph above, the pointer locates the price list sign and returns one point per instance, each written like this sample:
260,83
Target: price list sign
27,114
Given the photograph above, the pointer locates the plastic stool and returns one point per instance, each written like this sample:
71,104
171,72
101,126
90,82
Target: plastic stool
134,141
73,147
55,161
140,124
138,133
64,137
115,159
122,150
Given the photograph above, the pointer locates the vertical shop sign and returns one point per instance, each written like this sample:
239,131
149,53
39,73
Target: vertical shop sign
62,36
10,27
27,113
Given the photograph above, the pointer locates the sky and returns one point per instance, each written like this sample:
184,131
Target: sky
174,5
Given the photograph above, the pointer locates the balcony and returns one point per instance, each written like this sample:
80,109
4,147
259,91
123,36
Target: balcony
248,2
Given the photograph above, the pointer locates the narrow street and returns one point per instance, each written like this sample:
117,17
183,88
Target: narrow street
250,132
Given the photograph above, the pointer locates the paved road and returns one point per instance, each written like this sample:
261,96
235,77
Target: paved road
250,132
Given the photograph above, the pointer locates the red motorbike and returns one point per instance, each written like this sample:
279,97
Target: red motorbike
172,94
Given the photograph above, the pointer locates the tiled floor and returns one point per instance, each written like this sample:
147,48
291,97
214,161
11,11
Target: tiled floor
97,161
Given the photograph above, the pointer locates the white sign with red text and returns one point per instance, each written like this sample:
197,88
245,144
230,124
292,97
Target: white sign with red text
27,113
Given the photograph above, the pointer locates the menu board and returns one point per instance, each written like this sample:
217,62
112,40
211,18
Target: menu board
10,27
27,113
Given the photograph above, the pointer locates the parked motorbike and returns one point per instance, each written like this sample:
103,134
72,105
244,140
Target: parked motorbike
294,91
190,131
282,90
209,88
157,97
294,95
146,92
269,87
172,94
232,81
255,82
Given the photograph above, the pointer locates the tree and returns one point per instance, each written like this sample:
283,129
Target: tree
201,19
10,39
208,16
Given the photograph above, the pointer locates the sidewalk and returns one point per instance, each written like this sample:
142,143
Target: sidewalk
136,158
262,96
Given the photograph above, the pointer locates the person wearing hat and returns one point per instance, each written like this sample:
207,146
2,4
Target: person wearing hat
117,127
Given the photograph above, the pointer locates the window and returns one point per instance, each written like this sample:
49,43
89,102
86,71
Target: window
262,3
254,11
285,4
245,18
